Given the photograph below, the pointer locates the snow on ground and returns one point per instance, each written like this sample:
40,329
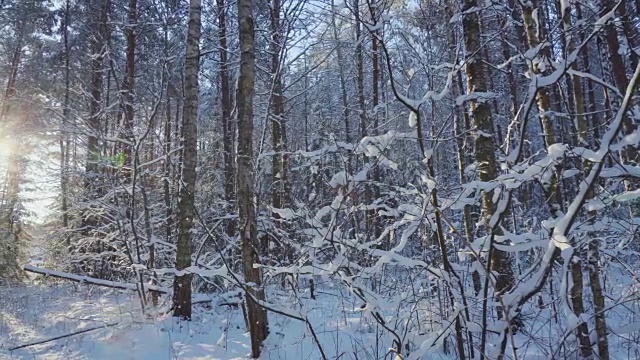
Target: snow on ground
35,312
30,313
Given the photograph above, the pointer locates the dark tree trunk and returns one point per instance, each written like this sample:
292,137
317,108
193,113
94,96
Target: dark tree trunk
257,316
186,205
228,132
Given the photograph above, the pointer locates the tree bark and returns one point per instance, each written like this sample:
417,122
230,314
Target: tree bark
500,261
278,121
552,191
166,183
9,215
228,133
375,101
97,64
257,316
359,70
598,300
64,137
460,118
630,34
128,84
580,122
98,54
631,154
343,82
186,205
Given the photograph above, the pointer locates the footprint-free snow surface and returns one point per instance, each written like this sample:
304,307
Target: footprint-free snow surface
80,321
34,313
30,314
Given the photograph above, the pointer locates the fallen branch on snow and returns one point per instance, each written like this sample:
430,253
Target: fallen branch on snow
196,299
62,336
92,281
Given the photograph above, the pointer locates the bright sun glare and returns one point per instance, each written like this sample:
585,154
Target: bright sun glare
38,199
5,151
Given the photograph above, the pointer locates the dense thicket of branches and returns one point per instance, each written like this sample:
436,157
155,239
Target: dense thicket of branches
478,155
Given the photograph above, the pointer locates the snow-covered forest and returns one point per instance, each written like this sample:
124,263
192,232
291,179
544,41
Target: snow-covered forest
335,179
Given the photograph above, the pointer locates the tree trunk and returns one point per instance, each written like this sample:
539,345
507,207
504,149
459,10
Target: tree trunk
631,154
343,82
630,32
10,90
359,70
128,84
98,54
361,110
460,117
166,183
278,122
9,215
575,89
500,261
580,122
257,316
375,101
167,143
598,300
552,191
64,137
228,134
186,205
591,103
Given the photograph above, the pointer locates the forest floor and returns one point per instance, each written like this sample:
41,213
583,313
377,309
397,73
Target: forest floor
32,313
35,312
